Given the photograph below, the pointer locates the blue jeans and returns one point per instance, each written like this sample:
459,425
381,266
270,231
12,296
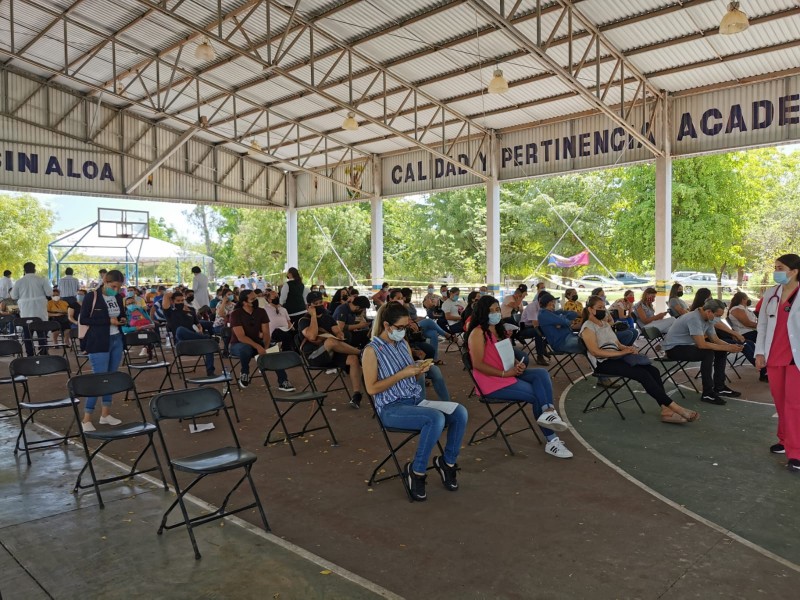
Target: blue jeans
246,353
105,362
181,334
439,385
527,332
627,337
533,386
432,331
570,345
404,413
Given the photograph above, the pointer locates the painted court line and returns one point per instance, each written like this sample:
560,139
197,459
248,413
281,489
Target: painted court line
719,528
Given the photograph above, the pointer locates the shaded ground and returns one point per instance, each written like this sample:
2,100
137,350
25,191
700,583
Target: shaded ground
527,526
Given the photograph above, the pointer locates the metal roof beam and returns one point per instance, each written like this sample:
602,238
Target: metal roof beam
348,106
150,169
539,52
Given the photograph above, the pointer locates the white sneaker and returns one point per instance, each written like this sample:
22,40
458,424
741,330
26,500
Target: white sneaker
556,447
88,426
551,420
143,352
109,420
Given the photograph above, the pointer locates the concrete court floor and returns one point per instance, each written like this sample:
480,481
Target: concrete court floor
523,526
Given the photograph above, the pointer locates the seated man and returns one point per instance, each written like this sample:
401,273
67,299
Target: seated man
183,323
452,308
692,337
322,342
351,318
57,309
557,325
529,322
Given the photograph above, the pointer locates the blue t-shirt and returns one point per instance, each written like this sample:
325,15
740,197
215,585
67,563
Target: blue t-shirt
556,328
686,326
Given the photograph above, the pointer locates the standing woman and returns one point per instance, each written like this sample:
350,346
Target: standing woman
293,295
103,311
778,348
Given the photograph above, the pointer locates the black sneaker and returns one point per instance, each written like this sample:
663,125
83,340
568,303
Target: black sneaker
793,465
285,386
415,483
727,392
244,380
777,449
355,401
713,399
447,473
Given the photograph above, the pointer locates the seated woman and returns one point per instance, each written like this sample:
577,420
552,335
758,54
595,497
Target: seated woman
390,376
138,320
622,309
676,305
610,357
517,383
646,316
744,322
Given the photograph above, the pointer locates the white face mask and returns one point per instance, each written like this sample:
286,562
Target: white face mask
56,298
397,335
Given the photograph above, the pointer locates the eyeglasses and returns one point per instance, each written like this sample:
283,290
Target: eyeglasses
399,327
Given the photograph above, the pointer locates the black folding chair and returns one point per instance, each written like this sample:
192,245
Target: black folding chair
81,357
317,372
669,367
199,348
498,418
44,329
275,361
409,434
8,329
101,384
21,371
610,390
186,405
23,324
562,361
13,348
138,365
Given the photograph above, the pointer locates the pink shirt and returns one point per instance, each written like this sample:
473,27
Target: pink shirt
780,352
491,383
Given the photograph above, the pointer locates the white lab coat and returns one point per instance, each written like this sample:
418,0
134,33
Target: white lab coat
5,287
200,287
31,293
767,320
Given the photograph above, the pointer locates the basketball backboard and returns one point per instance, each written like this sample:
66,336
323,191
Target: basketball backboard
119,223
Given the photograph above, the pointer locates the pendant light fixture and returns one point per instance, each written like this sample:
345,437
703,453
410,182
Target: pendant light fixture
350,123
498,84
254,146
205,51
734,21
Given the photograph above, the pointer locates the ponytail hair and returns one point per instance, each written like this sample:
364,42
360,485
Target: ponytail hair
590,302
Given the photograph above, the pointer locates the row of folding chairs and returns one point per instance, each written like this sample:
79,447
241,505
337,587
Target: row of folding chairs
183,405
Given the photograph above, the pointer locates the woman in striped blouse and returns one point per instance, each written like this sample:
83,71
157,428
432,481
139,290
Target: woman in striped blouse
391,374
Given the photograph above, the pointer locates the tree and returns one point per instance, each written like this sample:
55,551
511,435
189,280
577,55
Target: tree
26,226
161,230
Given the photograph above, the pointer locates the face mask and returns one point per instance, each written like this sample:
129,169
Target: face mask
430,290
130,306
254,303
80,297
322,291
574,297
276,300
780,277
56,298
109,291
716,320
189,298
454,298
397,335
494,318
600,315
230,297
320,310
679,294
178,304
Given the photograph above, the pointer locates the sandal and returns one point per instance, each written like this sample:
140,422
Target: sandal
673,418
690,415
438,362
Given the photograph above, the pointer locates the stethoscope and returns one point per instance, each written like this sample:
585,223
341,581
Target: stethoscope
775,296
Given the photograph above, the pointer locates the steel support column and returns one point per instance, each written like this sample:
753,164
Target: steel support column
663,210
493,219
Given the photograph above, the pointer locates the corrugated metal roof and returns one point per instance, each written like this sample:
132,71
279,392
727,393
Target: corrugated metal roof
446,47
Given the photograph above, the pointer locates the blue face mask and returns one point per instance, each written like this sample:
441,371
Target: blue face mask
494,318
397,335
780,277
80,297
454,298
109,291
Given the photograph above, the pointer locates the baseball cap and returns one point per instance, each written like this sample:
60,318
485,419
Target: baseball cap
545,298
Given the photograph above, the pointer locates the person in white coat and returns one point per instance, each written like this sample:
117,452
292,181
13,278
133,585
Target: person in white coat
31,293
778,348
200,287
6,283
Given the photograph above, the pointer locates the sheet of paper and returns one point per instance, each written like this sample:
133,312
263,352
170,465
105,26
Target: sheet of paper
201,427
327,335
506,352
446,407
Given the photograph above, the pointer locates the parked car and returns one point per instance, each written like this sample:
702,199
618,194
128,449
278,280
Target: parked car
630,278
708,280
677,275
595,281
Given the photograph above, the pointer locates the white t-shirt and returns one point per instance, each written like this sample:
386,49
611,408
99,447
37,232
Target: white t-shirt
606,339
530,313
450,307
113,311
736,324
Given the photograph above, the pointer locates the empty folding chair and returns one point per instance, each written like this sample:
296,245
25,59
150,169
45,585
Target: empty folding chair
186,405
12,348
508,409
198,349
153,361
394,448
22,370
101,384
276,361
43,330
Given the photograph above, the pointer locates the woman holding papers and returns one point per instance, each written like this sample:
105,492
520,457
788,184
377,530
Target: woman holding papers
390,375
499,375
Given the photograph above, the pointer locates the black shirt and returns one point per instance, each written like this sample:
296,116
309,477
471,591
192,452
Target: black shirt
325,324
178,317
